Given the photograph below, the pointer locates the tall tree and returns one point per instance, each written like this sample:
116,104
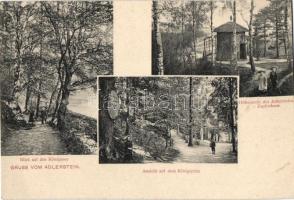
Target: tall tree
194,18
234,58
157,51
198,17
225,95
251,37
41,66
20,15
212,7
183,16
106,123
190,143
277,29
288,32
71,25
232,114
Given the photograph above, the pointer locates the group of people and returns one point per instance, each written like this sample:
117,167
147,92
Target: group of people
265,88
43,115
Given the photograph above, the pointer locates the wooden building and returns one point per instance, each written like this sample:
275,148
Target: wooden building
224,41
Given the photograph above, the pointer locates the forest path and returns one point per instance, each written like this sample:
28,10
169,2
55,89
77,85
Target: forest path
39,140
202,153
284,79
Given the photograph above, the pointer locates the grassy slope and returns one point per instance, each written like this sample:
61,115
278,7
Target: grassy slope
80,135
248,87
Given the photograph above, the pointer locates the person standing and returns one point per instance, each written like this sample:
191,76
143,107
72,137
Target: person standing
274,80
128,151
262,83
43,115
212,146
31,117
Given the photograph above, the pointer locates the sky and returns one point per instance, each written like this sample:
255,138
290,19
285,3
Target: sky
222,16
243,6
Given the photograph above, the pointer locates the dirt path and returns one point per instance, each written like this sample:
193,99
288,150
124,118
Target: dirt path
202,153
40,140
284,79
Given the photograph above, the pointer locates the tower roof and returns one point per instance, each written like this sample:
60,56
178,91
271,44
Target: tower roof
228,28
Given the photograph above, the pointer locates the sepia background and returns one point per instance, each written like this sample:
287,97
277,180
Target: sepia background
265,167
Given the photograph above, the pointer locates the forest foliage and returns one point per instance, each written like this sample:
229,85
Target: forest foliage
51,49
183,27
149,108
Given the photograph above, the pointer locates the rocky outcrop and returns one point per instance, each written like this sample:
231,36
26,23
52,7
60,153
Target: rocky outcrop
11,113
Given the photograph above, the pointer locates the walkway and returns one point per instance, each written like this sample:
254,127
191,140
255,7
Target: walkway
202,153
39,140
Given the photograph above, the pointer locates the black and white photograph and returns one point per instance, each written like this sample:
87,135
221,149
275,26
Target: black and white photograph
168,119
51,54
249,38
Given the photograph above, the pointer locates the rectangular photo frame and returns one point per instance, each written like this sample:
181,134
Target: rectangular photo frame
249,38
168,119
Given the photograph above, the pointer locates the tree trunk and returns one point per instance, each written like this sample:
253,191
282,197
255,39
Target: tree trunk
287,38
277,42
285,43
52,97
194,33
61,80
40,81
251,38
157,51
277,33
28,96
18,45
106,124
190,143
160,51
28,88
61,113
128,155
264,36
57,102
211,32
38,99
234,58
183,37
232,123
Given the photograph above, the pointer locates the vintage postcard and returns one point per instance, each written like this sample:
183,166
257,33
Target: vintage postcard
142,99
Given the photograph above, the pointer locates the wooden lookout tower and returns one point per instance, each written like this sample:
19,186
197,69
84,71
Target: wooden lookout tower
224,42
